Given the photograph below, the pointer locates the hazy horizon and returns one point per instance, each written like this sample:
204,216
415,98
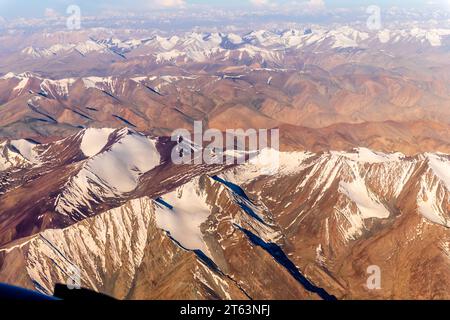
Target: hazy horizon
10,9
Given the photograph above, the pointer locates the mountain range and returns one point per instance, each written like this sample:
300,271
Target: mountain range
110,203
87,182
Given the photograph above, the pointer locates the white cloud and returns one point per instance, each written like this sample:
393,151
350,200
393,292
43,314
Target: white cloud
170,3
439,3
316,5
50,13
263,3
259,2
447,4
308,6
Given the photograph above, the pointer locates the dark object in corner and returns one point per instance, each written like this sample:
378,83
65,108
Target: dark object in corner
8,292
64,293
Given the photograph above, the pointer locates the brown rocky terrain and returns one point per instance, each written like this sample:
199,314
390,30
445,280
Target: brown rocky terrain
225,232
87,181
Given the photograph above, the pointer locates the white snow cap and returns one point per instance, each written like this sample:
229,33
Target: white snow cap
94,140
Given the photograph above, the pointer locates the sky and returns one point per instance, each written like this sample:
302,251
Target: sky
40,8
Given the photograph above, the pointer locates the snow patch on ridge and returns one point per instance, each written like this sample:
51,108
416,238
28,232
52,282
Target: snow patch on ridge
102,83
100,248
26,149
268,162
368,204
120,167
440,164
57,88
434,196
183,220
369,156
94,140
109,174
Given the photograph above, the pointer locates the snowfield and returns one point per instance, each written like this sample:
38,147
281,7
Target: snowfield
188,211
94,140
111,173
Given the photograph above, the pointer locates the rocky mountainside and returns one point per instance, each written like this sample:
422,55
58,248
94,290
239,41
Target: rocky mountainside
357,108
387,90
88,185
110,204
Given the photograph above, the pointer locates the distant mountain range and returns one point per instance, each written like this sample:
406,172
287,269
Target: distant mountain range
266,45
